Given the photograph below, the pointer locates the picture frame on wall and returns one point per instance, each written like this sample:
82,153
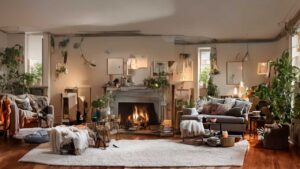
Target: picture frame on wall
168,67
263,68
115,66
234,74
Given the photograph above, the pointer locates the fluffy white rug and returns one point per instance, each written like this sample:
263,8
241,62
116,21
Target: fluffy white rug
145,153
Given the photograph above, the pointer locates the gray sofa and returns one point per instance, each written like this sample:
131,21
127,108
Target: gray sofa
234,122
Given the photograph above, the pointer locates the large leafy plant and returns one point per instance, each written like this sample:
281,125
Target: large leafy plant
279,94
11,80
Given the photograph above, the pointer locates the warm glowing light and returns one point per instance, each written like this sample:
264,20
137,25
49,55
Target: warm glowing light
139,115
235,91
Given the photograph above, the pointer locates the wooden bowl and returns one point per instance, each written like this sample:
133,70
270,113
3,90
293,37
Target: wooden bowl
228,142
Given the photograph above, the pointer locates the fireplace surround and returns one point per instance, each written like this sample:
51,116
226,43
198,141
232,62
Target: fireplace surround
139,96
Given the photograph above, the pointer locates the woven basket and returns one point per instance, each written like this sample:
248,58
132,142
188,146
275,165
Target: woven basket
227,142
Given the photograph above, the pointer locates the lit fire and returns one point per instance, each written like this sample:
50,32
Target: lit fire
139,115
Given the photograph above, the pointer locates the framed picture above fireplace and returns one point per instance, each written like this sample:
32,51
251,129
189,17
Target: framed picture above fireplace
115,66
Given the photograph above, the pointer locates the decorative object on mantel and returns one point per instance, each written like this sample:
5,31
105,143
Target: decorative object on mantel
86,61
115,66
137,62
60,68
234,73
163,67
160,81
213,60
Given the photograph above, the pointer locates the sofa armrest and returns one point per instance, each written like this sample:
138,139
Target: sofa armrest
14,119
50,110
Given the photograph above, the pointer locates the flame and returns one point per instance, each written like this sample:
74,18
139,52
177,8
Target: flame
139,115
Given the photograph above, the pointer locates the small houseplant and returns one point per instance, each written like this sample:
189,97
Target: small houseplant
102,106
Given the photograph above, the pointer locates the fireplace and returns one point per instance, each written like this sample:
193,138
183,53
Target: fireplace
139,115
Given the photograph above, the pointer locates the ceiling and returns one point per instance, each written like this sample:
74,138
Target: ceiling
215,19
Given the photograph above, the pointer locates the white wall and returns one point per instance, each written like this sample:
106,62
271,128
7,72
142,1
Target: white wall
98,49
3,40
259,52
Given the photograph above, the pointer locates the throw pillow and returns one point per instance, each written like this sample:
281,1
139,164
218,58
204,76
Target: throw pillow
24,104
34,105
200,104
206,109
244,105
216,100
237,112
190,111
221,109
230,101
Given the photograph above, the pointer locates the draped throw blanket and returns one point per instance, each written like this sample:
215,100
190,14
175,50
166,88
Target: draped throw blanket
62,135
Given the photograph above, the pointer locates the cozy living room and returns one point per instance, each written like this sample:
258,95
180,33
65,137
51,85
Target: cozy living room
150,84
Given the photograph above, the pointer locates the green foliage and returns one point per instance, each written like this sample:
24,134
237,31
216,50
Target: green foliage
37,70
296,108
204,75
283,86
212,89
160,81
12,81
280,93
102,102
263,92
190,104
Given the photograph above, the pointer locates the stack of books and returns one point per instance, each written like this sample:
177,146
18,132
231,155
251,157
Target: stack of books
166,131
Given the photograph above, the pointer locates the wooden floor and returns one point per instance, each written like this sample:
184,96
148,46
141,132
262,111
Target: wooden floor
12,150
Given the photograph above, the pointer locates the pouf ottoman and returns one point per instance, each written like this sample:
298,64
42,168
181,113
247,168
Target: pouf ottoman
38,137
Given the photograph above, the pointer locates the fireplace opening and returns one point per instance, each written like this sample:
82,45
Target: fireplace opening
137,115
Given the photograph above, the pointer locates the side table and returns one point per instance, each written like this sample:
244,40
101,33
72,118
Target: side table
255,119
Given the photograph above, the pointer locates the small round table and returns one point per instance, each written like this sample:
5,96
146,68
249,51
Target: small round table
256,119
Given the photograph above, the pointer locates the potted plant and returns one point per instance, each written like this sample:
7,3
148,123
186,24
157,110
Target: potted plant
189,108
279,95
102,106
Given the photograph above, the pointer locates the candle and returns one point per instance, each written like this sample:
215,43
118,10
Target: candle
225,134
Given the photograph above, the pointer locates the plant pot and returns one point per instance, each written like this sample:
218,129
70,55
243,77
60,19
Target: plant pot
295,132
276,138
189,111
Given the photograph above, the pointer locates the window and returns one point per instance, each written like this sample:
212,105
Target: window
296,48
34,56
204,66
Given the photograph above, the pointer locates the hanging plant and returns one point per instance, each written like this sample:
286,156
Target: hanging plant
60,69
63,45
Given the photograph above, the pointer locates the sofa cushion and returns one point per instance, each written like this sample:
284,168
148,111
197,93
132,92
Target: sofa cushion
230,101
221,109
226,119
216,100
200,104
245,105
24,103
237,112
